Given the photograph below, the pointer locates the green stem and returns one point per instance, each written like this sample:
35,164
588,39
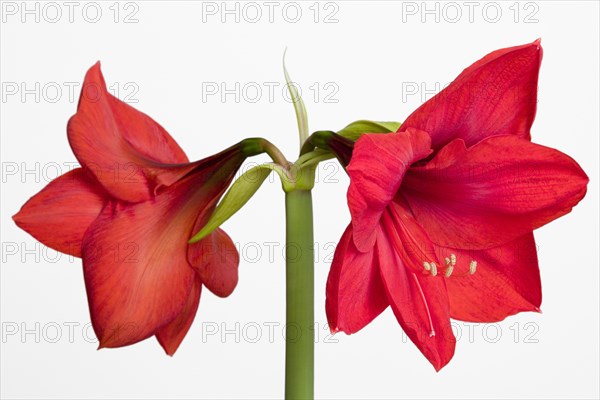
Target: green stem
299,348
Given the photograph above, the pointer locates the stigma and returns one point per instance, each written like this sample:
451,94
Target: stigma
430,267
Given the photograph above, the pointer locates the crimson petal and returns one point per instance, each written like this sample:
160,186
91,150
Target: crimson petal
216,260
492,193
376,169
497,95
135,262
171,335
419,302
136,271
355,292
506,281
59,215
128,152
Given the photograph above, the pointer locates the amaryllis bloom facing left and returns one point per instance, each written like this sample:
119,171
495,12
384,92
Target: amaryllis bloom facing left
443,210
129,212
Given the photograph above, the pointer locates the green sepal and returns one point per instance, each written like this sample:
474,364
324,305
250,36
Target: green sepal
238,195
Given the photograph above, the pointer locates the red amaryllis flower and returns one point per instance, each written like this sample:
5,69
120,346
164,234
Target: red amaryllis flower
443,210
129,212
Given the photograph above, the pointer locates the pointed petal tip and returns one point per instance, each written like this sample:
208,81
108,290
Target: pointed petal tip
437,362
19,217
440,363
104,341
438,366
94,73
169,347
15,218
20,220
333,329
345,331
96,66
539,51
170,352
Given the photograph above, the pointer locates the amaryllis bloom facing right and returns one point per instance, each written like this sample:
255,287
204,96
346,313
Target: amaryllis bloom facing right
443,210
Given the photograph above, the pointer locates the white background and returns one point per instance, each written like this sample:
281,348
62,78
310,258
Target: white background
372,56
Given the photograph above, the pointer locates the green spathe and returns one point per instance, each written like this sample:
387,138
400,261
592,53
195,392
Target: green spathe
238,195
357,128
299,108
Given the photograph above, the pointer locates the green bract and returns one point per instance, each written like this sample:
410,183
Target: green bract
240,192
301,115
357,128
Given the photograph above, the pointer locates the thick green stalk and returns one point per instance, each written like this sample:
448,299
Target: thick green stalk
299,348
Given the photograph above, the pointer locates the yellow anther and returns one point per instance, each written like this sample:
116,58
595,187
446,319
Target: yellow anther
453,259
427,266
472,267
449,271
433,269
450,264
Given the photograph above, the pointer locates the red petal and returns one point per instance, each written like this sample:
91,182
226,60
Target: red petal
355,293
216,260
135,263
492,193
170,336
376,170
506,282
125,149
495,96
59,215
412,243
419,302
136,273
